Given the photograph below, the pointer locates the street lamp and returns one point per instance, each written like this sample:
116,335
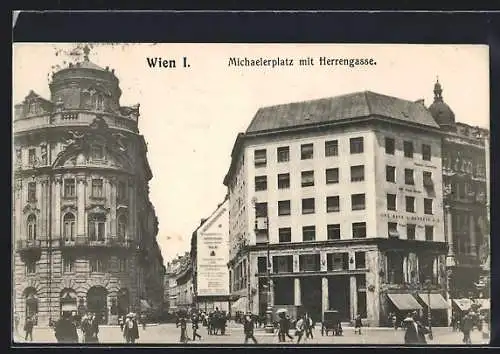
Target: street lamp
429,310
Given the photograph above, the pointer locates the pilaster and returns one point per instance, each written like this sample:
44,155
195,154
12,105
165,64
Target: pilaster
324,295
296,289
472,234
57,207
353,296
81,181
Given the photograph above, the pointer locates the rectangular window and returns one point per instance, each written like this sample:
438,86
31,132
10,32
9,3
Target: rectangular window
337,261
360,259
357,173
122,265
408,149
410,231
331,148
426,152
356,145
284,207
261,210
390,146
358,201
428,206
410,204
283,154
285,234
333,204
30,267
260,158
96,227
332,175
284,181
260,183
97,152
97,188
262,264
69,188
391,202
392,230
429,233
308,206
359,230
390,174
32,156
307,178
333,232
32,192
309,262
97,265
309,233
427,179
306,151
68,264
409,176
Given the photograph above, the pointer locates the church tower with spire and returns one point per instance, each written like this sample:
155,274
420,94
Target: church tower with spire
441,112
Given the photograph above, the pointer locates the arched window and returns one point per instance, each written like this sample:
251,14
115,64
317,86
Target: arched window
98,102
69,227
31,223
122,227
97,227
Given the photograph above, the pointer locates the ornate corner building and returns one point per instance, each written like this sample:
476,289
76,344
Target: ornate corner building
84,227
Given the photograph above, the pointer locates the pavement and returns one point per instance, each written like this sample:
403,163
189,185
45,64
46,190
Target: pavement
169,334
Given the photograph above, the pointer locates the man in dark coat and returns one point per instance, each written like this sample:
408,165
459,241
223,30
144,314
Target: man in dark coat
130,329
415,332
195,321
467,324
28,328
65,330
248,328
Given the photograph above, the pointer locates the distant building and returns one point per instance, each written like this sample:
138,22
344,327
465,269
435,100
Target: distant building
210,256
84,228
345,194
180,277
466,182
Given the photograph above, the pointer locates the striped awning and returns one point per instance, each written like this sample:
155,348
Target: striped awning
404,301
437,301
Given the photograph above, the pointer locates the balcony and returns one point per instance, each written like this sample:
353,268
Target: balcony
113,242
27,245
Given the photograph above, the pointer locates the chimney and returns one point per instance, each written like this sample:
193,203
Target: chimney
420,101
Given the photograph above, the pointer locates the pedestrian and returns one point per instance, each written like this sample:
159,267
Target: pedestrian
357,324
121,322
281,327
299,329
195,321
28,328
309,325
183,324
131,329
394,320
415,332
143,320
287,323
467,324
248,328
65,330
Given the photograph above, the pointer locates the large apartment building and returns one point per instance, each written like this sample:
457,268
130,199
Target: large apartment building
345,195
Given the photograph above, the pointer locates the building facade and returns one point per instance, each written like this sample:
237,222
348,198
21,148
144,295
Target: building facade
466,198
345,196
181,292
210,256
84,229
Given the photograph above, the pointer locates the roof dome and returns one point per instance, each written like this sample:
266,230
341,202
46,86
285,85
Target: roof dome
441,112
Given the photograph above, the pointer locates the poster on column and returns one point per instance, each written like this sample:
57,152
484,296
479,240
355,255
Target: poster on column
213,254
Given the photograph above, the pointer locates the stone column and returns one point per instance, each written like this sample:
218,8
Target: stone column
472,234
111,193
449,230
39,202
324,296
81,183
297,301
132,229
353,296
57,208
18,210
323,261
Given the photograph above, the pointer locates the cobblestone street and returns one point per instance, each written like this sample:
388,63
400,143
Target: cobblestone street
168,333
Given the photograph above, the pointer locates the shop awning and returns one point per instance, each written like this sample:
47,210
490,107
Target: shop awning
463,304
437,301
239,305
404,301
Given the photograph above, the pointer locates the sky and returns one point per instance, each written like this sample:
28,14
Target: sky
190,116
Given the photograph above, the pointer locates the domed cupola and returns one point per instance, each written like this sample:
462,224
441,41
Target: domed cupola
86,86
440,111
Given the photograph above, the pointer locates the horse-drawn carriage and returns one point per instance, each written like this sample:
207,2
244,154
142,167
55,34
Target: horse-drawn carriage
331,323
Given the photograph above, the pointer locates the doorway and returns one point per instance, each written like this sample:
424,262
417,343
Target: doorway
310,288
338,296
97,303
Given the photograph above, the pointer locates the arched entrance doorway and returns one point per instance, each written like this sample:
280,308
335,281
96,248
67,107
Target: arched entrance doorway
123,302
97,303
68,300
31,304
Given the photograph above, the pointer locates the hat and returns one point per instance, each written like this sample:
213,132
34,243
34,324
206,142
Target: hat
408,319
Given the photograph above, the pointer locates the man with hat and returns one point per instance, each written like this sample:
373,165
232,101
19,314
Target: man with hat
248,327
415,332
131,329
